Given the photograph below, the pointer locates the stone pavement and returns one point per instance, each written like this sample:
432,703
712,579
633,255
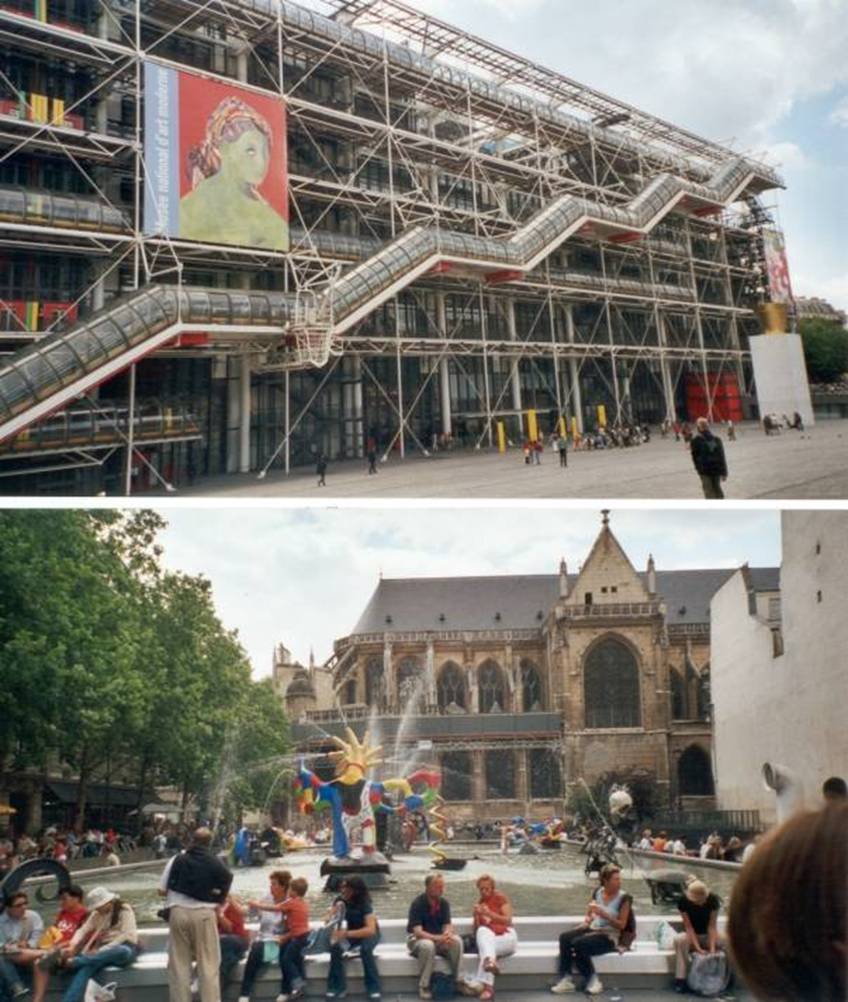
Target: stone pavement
787,466
609,994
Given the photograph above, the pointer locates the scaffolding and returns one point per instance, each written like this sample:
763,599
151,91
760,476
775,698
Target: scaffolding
471,236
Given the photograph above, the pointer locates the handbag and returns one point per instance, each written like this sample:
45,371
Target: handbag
709,974
469,943
270,952
95,992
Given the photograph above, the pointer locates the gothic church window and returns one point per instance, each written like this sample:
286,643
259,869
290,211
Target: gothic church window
611,684
450,689
492,693
531,688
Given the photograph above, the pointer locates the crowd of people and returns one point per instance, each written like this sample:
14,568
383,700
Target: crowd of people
786,932
713,846
64,845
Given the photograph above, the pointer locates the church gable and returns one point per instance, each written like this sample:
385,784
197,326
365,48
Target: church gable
607,575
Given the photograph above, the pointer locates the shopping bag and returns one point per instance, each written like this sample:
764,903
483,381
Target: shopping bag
709,974
270,952
95,992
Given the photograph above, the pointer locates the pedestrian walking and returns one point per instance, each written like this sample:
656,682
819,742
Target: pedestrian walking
194,884
321,470
708,458
562,446
372,460
538,449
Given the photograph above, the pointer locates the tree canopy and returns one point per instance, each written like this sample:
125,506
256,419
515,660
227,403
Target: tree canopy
111,663
825,349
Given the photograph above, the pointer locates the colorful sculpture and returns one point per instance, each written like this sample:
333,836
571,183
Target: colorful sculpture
353,798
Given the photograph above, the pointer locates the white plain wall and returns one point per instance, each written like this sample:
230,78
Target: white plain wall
780,373
792,710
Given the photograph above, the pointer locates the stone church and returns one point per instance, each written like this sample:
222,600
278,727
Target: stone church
519,686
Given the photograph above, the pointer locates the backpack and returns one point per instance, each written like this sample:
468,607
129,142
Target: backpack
442,986
627,936
709,974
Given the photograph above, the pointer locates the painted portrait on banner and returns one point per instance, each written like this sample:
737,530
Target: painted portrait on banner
780,287
215,159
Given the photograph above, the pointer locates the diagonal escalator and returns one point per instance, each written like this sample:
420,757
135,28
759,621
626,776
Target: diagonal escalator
46,375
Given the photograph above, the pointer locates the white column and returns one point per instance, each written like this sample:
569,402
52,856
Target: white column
668,385
444,369
244,415
574,371
515,375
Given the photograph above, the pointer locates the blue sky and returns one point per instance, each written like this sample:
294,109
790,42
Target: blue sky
770,76
302,577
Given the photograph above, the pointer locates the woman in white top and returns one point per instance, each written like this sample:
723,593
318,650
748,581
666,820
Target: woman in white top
606,918
107,938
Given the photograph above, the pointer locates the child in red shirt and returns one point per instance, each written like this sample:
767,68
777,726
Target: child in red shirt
293,942
72,914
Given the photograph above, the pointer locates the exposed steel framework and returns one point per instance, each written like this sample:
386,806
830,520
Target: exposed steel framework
472,235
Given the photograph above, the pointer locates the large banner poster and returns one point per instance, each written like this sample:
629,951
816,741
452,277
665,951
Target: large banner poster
215,157
777,266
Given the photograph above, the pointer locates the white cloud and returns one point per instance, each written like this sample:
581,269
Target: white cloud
787,156
303,578
729,69
839,115
834,289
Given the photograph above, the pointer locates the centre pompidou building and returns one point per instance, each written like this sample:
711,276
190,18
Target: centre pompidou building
238,234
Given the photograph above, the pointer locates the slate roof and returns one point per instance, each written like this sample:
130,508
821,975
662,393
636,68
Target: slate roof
471,603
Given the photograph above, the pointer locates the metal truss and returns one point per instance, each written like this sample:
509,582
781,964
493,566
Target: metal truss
375,150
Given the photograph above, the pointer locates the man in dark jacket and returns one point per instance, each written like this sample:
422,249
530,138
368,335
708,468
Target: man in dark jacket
194,884
708,457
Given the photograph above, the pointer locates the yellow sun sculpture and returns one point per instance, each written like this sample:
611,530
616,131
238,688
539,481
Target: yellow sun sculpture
354,759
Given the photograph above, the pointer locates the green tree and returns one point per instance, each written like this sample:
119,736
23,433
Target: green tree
825,349
109,661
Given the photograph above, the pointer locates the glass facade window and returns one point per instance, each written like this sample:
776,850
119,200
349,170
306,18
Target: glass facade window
500,774
695,773
611,683
545,774
456,775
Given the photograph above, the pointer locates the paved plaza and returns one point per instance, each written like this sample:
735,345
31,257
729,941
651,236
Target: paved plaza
609,994
812,465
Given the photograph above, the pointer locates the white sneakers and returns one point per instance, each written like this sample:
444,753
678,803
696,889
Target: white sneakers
565,986
562,987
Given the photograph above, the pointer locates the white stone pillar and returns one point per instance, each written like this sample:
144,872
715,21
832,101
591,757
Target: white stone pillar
244,414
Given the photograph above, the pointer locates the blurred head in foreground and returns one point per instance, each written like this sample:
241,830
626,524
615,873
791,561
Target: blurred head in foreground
787,924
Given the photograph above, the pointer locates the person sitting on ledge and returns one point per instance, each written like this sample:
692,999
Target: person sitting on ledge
72,915
788,915
699,910
293,942
430,932
607,917
20,931
361,933
495,936
107,938
265,948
